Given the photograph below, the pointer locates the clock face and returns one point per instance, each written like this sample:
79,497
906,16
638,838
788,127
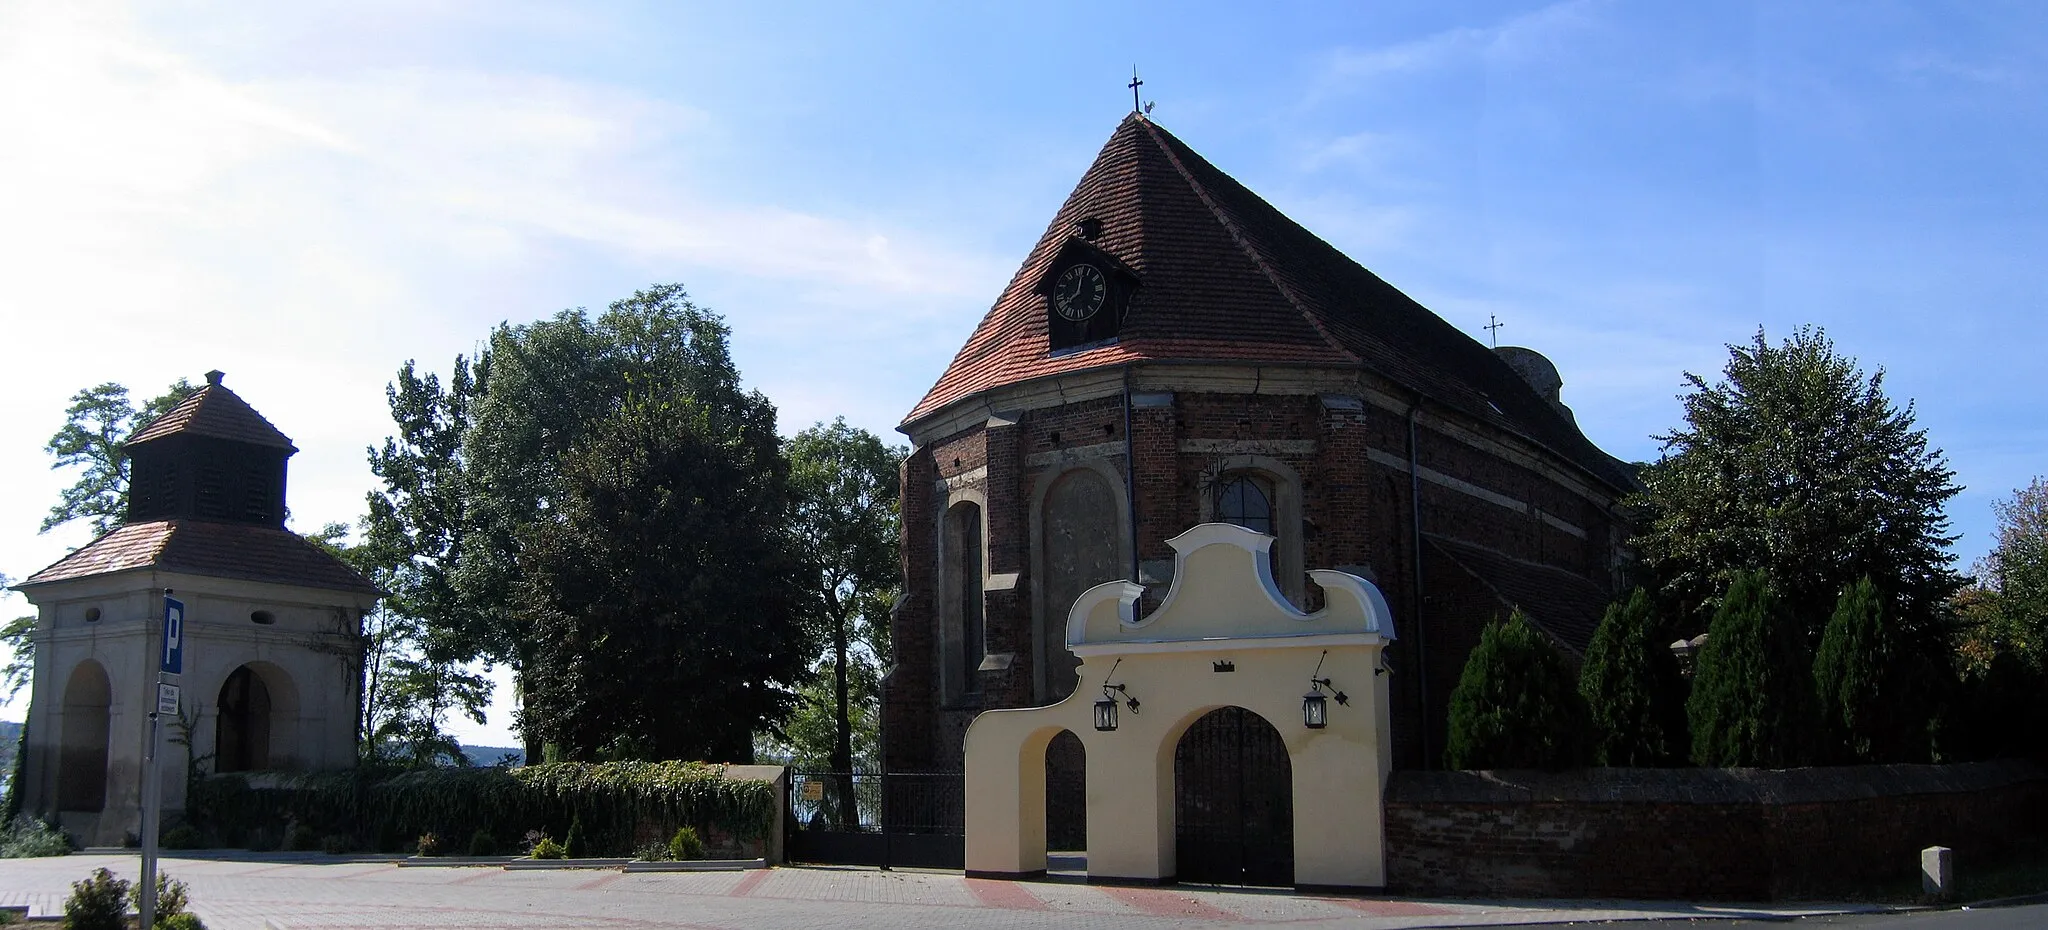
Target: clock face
1080,291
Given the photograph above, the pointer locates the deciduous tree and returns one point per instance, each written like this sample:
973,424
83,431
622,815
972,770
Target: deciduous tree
1797,464
843,484
658,585
94,438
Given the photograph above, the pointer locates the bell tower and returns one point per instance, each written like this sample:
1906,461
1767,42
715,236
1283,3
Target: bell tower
210,458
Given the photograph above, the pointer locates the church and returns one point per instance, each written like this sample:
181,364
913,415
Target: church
271,669
1172,352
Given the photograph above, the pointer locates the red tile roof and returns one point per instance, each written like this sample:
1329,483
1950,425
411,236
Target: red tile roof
220,550
217,412
1226,277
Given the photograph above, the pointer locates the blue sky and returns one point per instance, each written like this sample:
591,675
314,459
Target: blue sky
307,196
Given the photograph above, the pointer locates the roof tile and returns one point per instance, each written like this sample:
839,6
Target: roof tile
217,412
1226,277
220,550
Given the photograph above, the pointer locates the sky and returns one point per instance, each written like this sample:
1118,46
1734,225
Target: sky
308,195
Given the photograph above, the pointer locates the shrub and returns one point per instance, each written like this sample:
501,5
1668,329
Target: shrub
185,921
171,897
1517,704
182,836
28,837
1752,689
685,844
482,843
652,852
430,845
548,849
572,848
301,838
1632,689
1855,692
98,903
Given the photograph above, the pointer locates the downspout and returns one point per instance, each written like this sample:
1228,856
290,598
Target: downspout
1130,478
1415,543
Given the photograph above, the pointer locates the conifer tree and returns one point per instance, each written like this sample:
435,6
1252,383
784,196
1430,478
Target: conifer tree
1753,685
1853,680
1632,689
1517,704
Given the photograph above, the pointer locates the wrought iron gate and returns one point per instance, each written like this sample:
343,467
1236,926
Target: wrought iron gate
864,818
1233,801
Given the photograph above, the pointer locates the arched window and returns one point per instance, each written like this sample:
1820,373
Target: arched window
1245,499
1261,494
82,756
964,592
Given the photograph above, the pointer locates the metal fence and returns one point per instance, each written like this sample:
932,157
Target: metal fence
875,818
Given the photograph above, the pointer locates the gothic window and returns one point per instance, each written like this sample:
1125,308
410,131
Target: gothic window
1246,500
1261,494
963,591
1079,545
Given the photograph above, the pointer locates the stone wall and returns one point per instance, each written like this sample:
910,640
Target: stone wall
1718,834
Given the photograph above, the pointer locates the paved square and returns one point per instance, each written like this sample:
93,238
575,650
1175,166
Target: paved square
273,895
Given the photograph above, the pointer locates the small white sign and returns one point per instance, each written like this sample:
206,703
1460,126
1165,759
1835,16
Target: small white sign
814,790
167,700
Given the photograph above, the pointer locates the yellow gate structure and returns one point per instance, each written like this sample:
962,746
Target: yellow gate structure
1223,637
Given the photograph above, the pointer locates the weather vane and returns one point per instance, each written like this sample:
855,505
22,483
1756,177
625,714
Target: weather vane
1493,325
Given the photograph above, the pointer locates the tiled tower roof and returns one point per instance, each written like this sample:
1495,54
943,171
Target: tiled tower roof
220,550
217,412
1225,277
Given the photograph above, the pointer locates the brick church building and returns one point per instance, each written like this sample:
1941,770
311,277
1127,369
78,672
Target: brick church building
1175,351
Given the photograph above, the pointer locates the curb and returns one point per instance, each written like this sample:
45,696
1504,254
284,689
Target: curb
697,865
431,862
526,863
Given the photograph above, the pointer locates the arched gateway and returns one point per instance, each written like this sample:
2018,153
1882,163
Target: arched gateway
1225,674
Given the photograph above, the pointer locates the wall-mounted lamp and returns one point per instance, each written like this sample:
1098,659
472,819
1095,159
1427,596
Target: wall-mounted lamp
1105,709
1315,706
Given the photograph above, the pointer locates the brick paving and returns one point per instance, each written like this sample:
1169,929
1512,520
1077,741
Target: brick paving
301,895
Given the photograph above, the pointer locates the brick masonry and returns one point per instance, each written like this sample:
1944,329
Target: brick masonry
1355,510
1698,834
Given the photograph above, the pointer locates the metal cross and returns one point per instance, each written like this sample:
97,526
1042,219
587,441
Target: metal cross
1134,85
1493,326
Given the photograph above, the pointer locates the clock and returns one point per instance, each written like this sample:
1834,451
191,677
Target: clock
1080,292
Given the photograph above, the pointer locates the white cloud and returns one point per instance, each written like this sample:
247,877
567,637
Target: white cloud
307,230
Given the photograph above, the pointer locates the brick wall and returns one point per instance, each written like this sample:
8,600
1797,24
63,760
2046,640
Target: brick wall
1721,834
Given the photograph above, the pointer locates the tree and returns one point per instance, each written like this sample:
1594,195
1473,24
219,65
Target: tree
843,484
417,666
1797,464
1517,704
1632,688
95,437
657,588
19,638
2015,572
1752,684
539,391
1855,681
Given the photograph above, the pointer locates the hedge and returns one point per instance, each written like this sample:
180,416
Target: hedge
621,804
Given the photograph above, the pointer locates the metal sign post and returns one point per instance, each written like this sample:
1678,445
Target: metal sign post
172,663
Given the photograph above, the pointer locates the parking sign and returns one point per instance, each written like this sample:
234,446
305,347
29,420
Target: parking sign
174,636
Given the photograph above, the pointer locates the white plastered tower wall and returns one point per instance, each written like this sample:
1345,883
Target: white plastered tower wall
308,658
1223,606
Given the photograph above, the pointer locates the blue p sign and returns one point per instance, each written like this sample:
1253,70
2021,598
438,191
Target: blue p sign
174,636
